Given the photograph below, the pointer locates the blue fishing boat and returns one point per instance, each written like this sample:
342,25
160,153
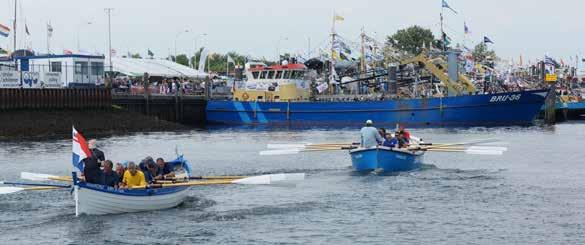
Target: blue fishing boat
513,108
386,159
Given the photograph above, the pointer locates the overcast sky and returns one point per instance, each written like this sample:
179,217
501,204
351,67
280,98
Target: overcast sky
260,27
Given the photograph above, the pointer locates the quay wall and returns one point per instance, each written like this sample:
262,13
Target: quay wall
50,113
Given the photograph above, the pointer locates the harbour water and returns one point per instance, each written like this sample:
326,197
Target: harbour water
533,194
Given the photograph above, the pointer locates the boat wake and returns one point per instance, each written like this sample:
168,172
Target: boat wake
240,214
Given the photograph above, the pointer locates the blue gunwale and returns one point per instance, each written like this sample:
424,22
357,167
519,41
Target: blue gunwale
132,192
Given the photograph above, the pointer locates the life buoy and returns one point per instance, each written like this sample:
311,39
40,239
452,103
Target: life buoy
245,96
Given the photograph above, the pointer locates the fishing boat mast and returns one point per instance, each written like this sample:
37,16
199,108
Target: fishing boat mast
332,63
14,28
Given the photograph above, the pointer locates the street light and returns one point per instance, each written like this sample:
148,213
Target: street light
177,36
278,47
196,39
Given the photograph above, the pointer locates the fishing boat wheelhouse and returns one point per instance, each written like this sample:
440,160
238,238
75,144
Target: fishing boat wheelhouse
274,83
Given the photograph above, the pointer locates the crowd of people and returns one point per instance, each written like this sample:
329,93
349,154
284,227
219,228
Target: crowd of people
98,170
372,137
164,86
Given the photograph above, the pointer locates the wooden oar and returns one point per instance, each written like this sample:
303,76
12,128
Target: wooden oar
12,189
45,177
267,179
302,146
471,152
461,143
32,184
296,151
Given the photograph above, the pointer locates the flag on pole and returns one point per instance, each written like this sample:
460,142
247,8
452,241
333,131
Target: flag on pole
486,40
446,5
230,60
466,29
26,30
202,60
4,30
150,53
113,52
339,18
80,150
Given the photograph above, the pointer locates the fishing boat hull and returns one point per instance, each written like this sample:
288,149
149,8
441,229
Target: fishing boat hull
99,200
386,159
514,108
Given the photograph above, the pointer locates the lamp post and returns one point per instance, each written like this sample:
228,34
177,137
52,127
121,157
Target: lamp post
176,37
278,48
197,39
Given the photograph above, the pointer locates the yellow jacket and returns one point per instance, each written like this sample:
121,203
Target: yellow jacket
134,180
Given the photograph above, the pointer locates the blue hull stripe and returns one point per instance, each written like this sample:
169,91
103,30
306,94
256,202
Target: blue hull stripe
261,118
242,112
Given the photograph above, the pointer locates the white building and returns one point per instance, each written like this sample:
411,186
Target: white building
75,70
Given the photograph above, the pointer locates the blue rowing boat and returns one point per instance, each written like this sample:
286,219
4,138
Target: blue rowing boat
386,159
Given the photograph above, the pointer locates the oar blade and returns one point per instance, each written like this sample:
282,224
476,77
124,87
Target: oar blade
487,148
9,190
484,152
269,179
36,176
279,152
285,146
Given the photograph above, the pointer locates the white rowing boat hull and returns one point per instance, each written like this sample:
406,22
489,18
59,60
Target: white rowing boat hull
96,200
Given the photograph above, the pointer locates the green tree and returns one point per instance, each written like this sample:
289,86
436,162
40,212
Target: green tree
182,59
411,39
136,56
481,53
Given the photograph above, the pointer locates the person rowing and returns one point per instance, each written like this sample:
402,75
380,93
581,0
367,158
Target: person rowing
151,172
370,136
404,133
109,176
133,176
392,142
165,170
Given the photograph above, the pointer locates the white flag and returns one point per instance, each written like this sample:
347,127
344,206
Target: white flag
322,87
202,60
230,60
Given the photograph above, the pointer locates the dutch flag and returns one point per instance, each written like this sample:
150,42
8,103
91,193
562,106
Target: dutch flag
4,30
80,150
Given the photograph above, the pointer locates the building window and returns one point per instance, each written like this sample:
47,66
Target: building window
263,75
97,68
286,75
278,75
81,68
270,75
255,74
56,66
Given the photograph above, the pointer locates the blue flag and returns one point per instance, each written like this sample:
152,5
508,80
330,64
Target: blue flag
446,5
487,40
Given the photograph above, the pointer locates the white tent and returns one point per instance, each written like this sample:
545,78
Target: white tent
154,67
